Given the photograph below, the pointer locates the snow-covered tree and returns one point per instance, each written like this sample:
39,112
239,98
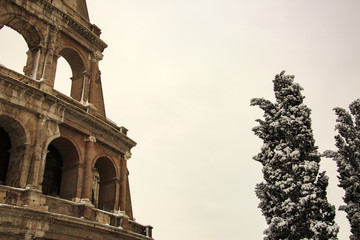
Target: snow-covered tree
348,161
293,193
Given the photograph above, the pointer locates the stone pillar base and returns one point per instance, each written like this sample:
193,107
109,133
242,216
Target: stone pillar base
34,199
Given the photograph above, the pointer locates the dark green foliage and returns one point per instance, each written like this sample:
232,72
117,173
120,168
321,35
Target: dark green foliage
293,194
348,161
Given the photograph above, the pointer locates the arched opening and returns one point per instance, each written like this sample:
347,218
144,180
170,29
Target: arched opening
61,169
14,45
77,67
22,26
12,150
63,77
5,146
52,173
13,49
104,195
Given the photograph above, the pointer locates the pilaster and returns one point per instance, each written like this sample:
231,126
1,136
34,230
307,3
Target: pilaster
49,60
88,174
94,89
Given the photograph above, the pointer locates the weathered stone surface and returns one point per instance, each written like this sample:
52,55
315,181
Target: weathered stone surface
65,164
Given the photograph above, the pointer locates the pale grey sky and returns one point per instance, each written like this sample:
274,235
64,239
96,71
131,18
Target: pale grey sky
180,75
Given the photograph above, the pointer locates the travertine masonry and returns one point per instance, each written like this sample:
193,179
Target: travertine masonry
63,163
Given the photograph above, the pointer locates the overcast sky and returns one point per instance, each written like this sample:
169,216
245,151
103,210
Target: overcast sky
180,75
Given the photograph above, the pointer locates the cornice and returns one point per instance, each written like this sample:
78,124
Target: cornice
78,27
87,32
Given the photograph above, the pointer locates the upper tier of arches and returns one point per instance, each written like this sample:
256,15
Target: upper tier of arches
55,34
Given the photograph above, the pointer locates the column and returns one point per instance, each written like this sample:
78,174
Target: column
93,91
123,180
21,155
88,173
117,195
38,156
80,180
49,60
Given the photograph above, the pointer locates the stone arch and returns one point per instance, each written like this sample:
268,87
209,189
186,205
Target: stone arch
13,141
60,173
13,50
31,35
104,195
78,68
23,27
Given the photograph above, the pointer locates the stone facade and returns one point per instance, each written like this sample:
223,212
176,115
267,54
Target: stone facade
63,164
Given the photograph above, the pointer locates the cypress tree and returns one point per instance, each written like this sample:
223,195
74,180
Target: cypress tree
348,161
293,193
